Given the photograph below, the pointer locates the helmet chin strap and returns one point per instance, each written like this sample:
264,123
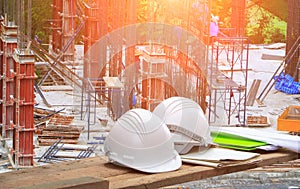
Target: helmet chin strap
190,134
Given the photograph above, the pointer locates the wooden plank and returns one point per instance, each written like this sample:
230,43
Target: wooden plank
62,128
253,92
113,82
190,173
257,120
122,177
50,141
78,183
57,88
58,134
273,56
275,46
68,136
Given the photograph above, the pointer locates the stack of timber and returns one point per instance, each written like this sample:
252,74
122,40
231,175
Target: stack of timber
42,117
61,120
59,126
257,120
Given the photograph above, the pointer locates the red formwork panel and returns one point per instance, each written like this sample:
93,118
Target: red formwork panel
26,114
68,28
91,36
238,20
93,25
1,80
10,96
17,93
8,44
57,10
9,90
24,130
1,76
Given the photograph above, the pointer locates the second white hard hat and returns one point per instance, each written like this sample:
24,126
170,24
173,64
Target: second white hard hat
186,120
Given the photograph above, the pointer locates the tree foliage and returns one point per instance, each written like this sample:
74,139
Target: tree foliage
41,18
222,8
262,27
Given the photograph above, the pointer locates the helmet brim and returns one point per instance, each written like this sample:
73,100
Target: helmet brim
171,165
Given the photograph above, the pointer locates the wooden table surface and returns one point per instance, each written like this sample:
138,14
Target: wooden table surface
96,172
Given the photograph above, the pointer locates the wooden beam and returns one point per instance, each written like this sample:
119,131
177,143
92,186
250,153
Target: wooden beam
253,92
78,183
122,177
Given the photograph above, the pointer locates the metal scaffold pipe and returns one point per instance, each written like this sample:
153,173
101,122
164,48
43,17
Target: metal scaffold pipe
29,22
9,13
1,8
20,22
24,26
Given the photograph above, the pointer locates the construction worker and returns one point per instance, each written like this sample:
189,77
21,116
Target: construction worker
214,28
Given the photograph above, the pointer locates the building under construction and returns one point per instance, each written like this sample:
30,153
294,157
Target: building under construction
136,54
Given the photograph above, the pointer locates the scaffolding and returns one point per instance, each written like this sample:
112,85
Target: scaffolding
228,71
66,24
179,70
117,52
102,90
228,80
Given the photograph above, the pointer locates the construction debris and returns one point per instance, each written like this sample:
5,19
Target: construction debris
257,120
54,126
41,117
60,151
282,167
50,134
273,55
275,46
61,120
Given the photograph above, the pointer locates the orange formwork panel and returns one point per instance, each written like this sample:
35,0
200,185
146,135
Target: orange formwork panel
289,120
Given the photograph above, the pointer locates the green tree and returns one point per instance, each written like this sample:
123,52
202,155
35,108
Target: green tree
222,8
263,27
41,18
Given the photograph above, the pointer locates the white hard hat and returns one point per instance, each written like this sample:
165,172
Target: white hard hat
187,121
141,140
